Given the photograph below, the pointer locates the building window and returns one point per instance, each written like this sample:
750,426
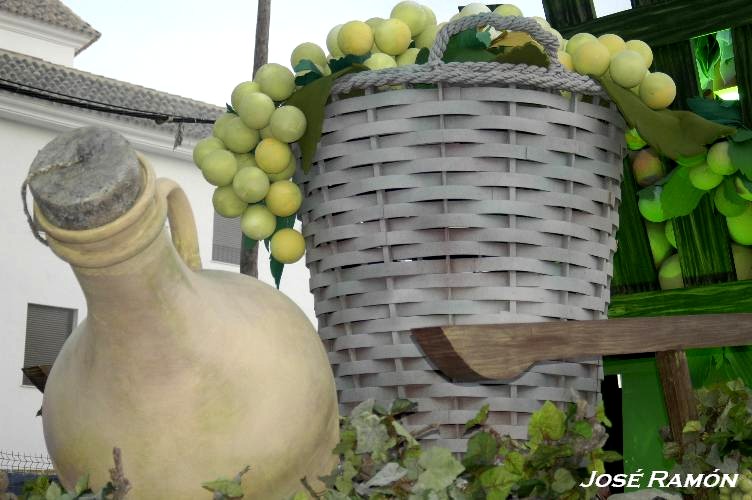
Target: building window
47,328
226,240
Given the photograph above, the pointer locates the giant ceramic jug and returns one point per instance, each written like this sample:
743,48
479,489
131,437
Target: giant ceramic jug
194,374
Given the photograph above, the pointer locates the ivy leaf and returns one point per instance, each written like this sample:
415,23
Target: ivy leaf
440,469
82,485
388,474
679,197
301,495
675,134
740,153
411,462
227,487
479,419
611,456
362,408
583,428
402,406
344,483
401,431
311,100
54,492
498,482
481,451
347,440
600,414
547,423
527,486
563,481
372,434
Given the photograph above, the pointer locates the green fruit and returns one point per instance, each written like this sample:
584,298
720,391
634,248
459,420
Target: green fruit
692,161
507,9
430,16
670,233
374,22
257,222
703,178
408,57
241,90
245,160
288,123
660,247
648,167
413,14
238,137
255,110
284,198
331,42
273,155
393,36
742,263
591,58
308,51
219,167
615,43
651,209
719,160
355,38
741,188
380,60
427,36
204,147
740,227
727,201
226,202
474,8
627,68
220,123
657,90
276,81
251,184
574,43
670,274
286,173
641,48
287,246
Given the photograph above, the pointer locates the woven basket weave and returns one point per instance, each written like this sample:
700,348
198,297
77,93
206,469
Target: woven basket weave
460,205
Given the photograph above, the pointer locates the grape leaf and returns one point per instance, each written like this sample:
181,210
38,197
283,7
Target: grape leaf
563,481
529,54
498,482
583,428
401,431
479,419
548,422
611,456
466,47
372,434
678,196
484,37
481,451
440,469
388,474
344,483
227,487
600,414
306,65
362,408
345,62
422,57
675,134
401,406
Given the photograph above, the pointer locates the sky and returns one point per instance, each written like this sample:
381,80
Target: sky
201,49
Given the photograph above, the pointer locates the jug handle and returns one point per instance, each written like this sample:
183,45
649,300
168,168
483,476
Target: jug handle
182,223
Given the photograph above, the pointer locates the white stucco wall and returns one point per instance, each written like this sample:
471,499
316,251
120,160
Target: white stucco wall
30,273
37,39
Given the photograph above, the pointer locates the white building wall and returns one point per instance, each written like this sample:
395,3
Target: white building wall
31,273
37,39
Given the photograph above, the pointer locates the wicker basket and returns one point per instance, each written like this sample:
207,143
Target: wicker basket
460,205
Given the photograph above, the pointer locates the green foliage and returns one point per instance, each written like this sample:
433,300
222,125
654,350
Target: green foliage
740,151
226,489
380,460
678,196
721,438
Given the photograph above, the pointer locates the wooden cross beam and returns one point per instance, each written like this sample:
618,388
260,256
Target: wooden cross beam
503,352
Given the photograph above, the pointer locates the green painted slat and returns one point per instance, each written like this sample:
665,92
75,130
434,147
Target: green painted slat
742,39
572,12
704,249
633,261
669,22
731,297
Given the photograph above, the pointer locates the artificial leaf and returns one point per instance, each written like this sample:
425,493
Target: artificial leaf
481,451
634,141
309,72
512,39
673,134
742,135
548,422
276,268
230,109
422,57
678,196
307,78
529,54
563,481
466,47
306,65
479,418
82,485
484,37
227,487
337,65
740,154
723,112
440,469
311,100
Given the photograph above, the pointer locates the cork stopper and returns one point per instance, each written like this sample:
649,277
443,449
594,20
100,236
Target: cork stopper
85,178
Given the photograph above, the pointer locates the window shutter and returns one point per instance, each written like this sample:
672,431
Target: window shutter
47,328
226,240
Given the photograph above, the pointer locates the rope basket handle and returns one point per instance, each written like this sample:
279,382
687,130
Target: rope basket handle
510,23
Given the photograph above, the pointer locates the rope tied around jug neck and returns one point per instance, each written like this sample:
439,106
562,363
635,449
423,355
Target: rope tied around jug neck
36,230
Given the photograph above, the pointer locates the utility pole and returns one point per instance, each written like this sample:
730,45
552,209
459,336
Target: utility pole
249,248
